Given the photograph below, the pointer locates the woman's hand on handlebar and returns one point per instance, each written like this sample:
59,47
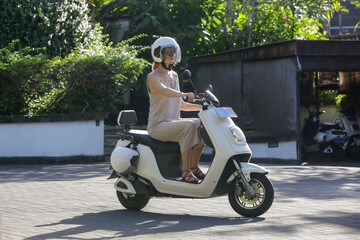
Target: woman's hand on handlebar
189,96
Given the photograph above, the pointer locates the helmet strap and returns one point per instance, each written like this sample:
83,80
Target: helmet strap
167,68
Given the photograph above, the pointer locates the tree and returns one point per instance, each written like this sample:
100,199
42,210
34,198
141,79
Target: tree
357,4
238,24
204,26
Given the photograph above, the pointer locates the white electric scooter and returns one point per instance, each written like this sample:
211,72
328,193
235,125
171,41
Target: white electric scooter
145,167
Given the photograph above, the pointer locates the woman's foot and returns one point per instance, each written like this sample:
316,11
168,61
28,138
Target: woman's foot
189,177
198,173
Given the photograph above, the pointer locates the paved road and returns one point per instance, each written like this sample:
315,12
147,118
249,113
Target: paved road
77,202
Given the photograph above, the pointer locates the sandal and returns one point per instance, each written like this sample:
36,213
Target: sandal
198,173
189,177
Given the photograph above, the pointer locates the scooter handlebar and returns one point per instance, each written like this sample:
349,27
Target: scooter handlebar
199,101
204,99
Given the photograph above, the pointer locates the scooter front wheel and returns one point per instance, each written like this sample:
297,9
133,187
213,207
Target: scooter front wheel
131,201
246,205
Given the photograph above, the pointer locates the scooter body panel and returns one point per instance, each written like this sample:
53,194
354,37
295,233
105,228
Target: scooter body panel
351,125
220,135
148,169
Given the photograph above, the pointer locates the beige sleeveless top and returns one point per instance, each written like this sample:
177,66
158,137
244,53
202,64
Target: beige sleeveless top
162,108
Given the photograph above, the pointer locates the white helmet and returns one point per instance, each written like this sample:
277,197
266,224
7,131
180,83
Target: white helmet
120,158
159,46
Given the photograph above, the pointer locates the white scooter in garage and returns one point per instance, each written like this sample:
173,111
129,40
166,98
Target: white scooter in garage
326,138
145,167
351,126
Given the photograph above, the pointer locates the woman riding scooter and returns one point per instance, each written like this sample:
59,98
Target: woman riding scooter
166,101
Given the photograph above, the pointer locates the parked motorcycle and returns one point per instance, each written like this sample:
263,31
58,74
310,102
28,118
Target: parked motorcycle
327,138
147,168
351,126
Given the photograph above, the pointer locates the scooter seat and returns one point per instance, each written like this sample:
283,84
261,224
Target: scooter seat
328,126
159,147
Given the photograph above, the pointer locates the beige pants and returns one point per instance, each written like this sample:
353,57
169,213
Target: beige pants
186,131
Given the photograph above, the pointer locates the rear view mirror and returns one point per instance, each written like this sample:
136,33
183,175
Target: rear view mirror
211,88
186,76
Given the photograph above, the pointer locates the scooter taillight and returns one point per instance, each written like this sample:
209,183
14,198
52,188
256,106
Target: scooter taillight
339,136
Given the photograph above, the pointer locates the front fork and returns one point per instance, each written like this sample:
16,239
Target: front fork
249,190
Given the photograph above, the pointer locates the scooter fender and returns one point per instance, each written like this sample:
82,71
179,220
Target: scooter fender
247,169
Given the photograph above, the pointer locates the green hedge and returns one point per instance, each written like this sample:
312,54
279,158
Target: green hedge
54,61
88,80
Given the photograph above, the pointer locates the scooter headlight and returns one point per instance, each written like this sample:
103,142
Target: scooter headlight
238,135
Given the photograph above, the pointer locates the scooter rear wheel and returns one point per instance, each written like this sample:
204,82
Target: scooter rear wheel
132,202
252,207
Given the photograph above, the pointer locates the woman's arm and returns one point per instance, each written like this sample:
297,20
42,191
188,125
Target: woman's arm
189,106
155,86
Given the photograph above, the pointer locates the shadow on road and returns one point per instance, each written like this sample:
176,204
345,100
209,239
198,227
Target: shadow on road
316,182
125,223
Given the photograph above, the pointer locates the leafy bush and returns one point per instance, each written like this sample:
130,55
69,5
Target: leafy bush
59,26
17,71
90,79
344,101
